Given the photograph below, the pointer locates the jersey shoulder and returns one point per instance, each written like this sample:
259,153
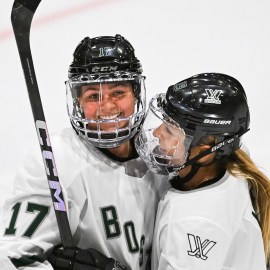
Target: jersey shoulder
224,203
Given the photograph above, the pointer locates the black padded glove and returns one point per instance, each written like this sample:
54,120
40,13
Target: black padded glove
82,259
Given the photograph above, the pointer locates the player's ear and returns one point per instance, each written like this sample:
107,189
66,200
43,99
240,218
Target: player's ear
206,159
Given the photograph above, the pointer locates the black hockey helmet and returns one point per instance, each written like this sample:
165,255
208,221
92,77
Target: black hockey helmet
102,55
101,61
204,104
209,103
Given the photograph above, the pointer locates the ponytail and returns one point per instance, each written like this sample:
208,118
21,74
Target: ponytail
239,164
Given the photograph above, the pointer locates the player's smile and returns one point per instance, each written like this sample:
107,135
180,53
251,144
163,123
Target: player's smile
108,117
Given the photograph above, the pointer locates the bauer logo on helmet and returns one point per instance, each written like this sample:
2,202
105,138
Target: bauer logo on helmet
217,122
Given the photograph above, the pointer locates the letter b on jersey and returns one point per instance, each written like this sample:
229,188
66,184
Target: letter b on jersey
111,223
113,229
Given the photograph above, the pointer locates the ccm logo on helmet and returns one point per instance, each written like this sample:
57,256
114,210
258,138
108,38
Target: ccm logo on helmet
217,122
104,69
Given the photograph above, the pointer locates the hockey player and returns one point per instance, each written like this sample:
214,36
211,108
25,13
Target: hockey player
110,194
217,213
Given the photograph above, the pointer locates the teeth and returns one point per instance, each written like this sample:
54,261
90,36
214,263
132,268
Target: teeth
108,117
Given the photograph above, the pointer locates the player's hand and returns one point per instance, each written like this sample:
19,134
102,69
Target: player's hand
82,259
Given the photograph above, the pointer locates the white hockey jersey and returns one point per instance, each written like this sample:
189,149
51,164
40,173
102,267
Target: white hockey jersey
210,228
111,207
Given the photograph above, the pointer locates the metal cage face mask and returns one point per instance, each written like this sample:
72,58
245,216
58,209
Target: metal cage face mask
106,109
162,143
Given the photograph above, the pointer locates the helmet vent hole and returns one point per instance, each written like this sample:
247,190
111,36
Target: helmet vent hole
242,120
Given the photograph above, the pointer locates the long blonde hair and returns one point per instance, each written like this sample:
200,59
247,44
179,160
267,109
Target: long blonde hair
240,164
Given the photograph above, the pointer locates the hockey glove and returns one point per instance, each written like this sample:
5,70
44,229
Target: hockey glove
82,259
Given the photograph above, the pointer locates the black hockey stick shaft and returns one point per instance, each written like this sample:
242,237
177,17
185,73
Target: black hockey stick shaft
21,18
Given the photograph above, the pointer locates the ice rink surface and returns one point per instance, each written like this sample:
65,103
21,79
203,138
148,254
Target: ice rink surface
174,39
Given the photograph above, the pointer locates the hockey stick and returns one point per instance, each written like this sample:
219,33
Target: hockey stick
21,18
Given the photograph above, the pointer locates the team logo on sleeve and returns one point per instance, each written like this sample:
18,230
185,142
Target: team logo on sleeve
198,248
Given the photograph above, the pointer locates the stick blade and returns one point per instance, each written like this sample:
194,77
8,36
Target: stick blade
22,14
28,4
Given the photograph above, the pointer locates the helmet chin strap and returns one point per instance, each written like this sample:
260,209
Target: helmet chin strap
194,169
179,181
